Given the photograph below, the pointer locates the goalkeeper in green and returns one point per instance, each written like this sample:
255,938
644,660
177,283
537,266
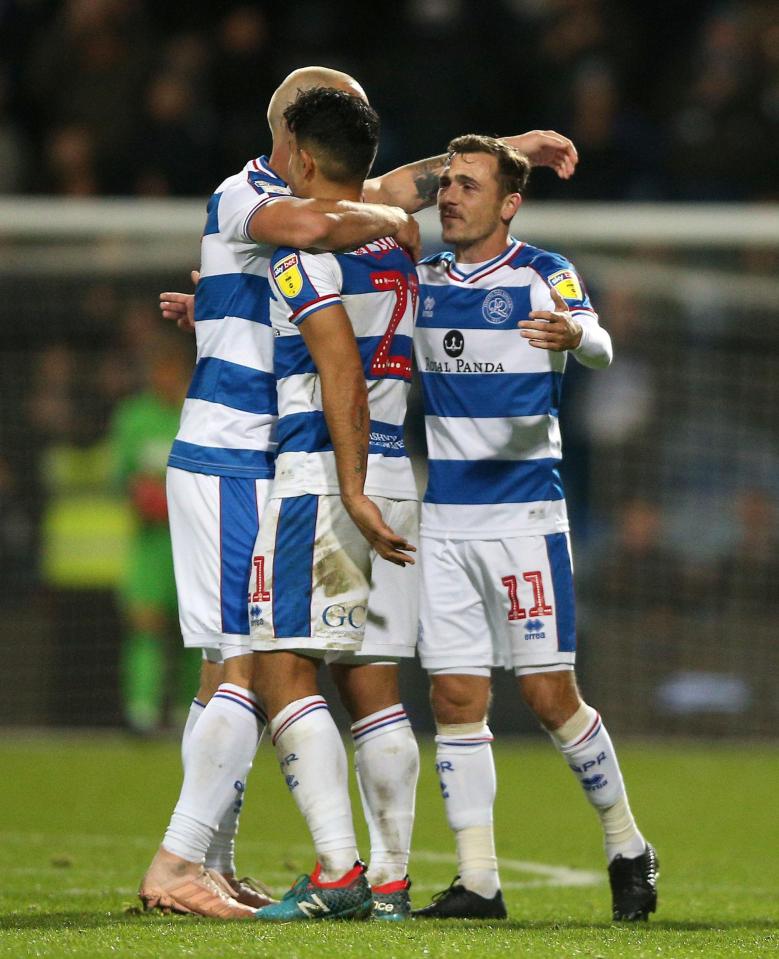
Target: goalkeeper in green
142,431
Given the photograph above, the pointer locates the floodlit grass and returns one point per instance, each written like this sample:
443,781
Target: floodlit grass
81,817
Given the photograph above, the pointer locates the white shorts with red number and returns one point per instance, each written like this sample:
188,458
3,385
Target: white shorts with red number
213,527
488,603
319,588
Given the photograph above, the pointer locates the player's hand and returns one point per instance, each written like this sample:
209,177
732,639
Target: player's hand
407,236
547,148
547,330
368,519
180,307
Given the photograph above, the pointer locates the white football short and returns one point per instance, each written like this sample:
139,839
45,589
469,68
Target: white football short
489,603
320,588
213,527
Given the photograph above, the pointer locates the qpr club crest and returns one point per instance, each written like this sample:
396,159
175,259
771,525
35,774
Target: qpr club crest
497,307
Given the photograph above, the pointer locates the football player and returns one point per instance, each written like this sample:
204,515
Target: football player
496,584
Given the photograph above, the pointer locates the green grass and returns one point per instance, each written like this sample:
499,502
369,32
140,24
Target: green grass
81,817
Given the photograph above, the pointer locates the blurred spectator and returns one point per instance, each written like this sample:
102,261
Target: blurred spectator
661,100
638,571
13,148
174,146
142,431
70,155
85,70
748,582
17,534
719,112
242,50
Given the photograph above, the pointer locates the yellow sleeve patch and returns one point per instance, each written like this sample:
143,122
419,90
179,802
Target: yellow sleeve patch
566,282
288,276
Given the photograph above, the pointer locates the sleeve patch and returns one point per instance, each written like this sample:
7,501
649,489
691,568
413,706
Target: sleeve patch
566,282
263,185
288,277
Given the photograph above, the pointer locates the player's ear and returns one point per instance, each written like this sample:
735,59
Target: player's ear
510,206
307,163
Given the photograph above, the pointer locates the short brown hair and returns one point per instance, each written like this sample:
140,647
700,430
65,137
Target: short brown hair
513,166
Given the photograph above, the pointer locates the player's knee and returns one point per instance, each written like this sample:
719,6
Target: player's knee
210,678
553,696
282,678
367,688
459,698
239,670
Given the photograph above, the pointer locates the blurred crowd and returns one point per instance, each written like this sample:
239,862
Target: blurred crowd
665,101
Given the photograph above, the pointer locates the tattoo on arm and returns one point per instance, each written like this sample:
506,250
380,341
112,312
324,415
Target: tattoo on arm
426,180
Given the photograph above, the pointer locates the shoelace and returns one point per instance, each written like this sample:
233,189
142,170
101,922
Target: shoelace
440,895
256,886
298,886
213,885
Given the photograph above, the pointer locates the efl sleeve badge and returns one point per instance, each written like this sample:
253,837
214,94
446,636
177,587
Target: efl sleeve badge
288,277
567,284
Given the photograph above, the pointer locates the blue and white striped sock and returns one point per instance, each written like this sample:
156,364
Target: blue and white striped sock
386,758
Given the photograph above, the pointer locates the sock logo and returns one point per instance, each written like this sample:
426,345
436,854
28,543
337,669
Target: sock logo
589,764
291,782
239,788
445,766
593,783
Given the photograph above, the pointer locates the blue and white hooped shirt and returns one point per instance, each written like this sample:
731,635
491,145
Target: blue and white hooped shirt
377,286
229,416
491,400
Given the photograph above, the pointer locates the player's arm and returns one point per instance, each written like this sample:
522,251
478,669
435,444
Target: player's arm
330,340
331,225
566,328
414,186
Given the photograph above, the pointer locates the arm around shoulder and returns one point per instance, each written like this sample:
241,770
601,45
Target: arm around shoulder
329,224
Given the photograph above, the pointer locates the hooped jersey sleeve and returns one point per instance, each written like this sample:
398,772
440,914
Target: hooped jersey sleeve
554,272
305,282
242,199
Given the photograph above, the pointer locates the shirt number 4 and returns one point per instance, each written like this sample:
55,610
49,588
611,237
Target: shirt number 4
540,606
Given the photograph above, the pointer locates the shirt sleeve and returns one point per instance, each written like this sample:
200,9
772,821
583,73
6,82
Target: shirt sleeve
305,282
240,201
557,273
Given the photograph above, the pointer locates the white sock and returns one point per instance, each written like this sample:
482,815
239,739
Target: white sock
313,762
386,757
219,755
220,854
588,750
195,712
467,775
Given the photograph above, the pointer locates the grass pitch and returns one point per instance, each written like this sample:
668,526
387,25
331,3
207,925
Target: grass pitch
81,817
